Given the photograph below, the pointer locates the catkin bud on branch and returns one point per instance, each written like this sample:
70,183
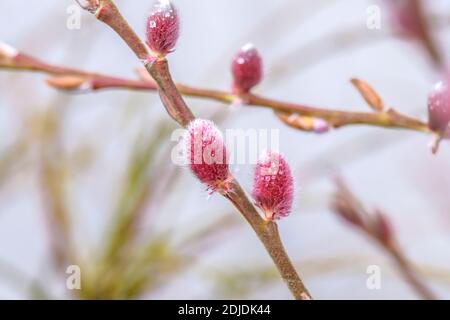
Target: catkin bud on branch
207,155
273,186
162,28
247,69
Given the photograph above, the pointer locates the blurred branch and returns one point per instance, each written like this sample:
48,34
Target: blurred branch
410,21
377,226
146,266
159,260
151,266
321,48
134,194
10,157
52,179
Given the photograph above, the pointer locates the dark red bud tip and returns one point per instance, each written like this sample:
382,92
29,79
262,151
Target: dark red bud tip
439,108
247,69
273,186
163,28
207,155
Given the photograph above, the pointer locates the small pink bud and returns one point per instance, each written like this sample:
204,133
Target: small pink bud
246,69
439,108
163,28
207,156
273,186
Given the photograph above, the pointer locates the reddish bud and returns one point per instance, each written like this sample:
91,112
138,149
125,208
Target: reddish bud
273,186
163,27
207,156
246,69
439,108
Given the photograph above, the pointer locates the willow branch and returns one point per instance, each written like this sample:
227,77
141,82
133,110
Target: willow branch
66,78
377,227
84,81
171,98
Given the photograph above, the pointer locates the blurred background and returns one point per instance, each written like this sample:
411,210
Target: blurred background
85,178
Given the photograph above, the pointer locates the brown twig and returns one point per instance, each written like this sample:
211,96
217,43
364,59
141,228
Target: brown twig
79,80
270,237
170,96
377,226
66,78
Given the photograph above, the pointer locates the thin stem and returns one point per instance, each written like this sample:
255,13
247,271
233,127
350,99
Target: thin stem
170,96
74,79
268,234
108,13
336,118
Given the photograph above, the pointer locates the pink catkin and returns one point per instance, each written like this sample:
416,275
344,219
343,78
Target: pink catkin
207,155
439,108
273,186
162,28
246,68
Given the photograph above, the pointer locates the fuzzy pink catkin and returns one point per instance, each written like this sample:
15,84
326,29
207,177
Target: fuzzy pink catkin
439,108
162,28
246,68
207,155
273,186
